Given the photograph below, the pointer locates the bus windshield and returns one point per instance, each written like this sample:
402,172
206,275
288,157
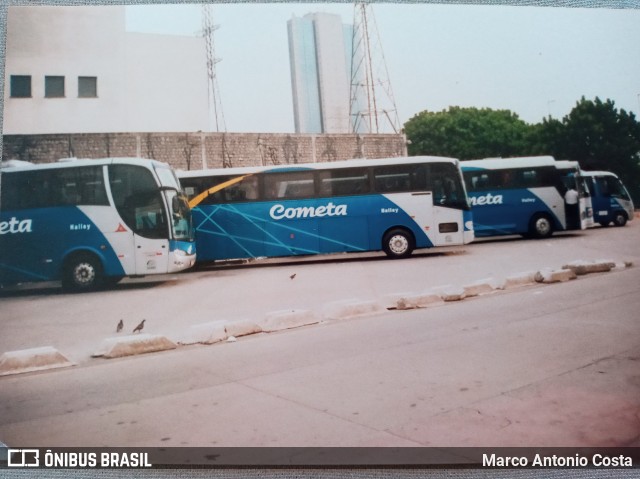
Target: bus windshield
167,177
181,226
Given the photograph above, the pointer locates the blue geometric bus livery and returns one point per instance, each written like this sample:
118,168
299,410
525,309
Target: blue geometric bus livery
395,205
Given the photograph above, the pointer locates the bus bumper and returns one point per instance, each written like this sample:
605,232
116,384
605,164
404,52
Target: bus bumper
179,261
182,256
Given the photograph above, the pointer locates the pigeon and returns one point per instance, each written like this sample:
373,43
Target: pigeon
292,276
120,326
139,327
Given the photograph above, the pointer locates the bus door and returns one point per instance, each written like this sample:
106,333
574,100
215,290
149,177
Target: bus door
585,204
447,200
151,244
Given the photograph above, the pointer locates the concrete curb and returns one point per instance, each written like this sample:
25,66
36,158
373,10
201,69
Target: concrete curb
351,308
585,267
29,360
520,279
483,286
134,344
288,319
450,293
422,300
237,329
205,333
555,276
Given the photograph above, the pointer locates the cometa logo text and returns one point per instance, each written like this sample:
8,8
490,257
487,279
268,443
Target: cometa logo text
487,199
14,225
278,212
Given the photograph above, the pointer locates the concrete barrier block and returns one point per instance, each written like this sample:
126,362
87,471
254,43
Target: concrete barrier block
288,319
621,266
390,301
205,333
479,287
587,267
29,360
520,279
555,276
352,309
449,293
242,328
422,300
133,344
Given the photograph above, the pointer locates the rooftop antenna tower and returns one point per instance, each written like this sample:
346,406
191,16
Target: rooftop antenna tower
372,106
216,115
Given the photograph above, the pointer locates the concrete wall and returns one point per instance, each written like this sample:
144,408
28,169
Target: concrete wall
189,151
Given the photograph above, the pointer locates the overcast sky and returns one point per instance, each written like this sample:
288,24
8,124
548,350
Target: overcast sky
534,61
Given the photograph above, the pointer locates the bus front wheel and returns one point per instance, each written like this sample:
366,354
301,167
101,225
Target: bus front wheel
398,243
541,227
620,219
82,272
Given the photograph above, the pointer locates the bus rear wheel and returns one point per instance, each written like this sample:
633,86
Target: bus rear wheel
398,243
540,227
82,272
620,219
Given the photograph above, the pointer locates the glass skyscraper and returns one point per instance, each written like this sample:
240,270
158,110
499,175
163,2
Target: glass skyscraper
320,59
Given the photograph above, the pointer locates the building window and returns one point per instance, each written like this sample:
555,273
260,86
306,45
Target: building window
20,86
53,87
87,87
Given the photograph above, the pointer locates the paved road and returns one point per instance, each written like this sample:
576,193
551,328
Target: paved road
77,324
553,365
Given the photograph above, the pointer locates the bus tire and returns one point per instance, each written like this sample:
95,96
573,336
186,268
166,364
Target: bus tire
82,272
398,243
619,218
540,226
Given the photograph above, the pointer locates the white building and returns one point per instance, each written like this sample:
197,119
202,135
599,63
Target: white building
320,59
77,70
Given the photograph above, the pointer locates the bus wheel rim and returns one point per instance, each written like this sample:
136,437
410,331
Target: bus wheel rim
543,226
399,244
84,273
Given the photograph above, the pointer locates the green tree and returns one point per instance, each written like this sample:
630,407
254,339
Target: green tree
547,138
467,133
601,137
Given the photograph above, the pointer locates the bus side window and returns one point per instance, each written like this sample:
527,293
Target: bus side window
603,186
244,190
14,191
290,185
396,178
352,181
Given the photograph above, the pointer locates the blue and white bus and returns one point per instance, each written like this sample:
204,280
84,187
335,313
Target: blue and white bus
394,205
92,222
610,198
524,196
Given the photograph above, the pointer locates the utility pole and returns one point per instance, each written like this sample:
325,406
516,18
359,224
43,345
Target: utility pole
216,115
372,107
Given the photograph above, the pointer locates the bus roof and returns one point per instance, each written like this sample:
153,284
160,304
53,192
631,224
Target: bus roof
316,166
17,165
599,173
504,163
